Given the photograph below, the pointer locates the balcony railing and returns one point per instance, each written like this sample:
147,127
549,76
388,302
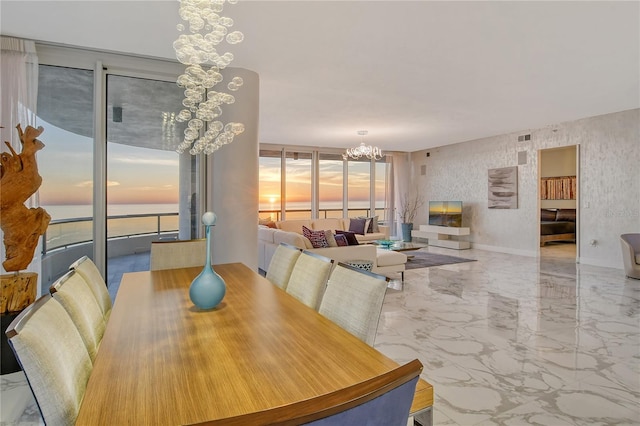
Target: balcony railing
63,233
275,214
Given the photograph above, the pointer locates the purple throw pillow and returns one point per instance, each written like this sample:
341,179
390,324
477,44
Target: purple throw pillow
350,236
358,226
341,240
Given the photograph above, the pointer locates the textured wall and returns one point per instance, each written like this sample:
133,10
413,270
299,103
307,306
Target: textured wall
609,184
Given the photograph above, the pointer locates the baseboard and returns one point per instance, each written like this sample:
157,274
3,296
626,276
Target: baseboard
605,263
507,250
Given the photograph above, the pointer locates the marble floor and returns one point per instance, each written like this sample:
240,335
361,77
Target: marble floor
506,340
512,340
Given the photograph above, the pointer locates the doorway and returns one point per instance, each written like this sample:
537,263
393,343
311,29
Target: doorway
558,201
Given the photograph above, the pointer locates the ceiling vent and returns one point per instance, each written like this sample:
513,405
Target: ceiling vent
523,138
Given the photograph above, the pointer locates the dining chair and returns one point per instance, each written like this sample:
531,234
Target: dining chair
353,300
177,254
384,400
282,263
89,271
76,297
309,277
54,359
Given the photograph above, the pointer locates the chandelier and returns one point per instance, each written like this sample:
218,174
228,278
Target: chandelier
205,133
363,150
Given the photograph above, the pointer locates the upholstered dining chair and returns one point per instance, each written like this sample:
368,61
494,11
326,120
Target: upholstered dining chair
353,300
75,295
384,400
309,277
177,254
89,271
630,244
54,359
281,265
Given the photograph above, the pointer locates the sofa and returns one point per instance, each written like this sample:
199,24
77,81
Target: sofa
384,262
557,225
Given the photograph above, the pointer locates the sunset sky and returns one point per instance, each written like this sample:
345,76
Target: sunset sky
147,176
134,175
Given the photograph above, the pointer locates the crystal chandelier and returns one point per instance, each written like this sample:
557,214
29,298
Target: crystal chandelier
363,150
205,133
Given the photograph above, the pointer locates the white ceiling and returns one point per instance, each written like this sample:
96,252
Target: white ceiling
415,74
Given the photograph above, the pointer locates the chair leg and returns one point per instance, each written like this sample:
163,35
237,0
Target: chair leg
424,418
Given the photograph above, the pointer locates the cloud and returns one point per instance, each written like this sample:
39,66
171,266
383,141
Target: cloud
146,161
89,184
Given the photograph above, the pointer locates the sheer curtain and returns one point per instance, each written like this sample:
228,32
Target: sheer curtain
400,166
18,97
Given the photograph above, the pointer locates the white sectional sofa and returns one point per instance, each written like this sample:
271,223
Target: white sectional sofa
385,262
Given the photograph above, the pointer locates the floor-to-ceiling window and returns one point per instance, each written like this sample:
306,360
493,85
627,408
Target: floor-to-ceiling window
65,111
143,168
269,186
298,200
110,162
361,186
330,185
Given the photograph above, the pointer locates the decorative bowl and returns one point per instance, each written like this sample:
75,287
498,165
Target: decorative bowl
385,243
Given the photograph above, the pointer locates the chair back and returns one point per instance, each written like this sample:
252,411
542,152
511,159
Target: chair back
282,263
384,400
353,300
76,297
309,278
89,271
177,254
53,357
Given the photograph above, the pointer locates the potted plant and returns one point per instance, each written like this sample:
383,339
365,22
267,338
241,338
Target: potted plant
22,228
410,203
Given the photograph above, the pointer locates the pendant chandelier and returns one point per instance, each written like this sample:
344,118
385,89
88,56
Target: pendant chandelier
368,151
205,133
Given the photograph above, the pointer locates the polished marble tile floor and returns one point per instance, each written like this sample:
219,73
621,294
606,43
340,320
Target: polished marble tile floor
508,340
512,340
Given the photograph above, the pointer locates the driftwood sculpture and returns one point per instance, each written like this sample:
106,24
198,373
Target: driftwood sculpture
19,180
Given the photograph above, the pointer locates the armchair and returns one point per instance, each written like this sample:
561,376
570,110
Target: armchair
631,254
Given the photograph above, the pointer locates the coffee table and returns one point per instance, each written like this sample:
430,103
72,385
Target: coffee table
402,246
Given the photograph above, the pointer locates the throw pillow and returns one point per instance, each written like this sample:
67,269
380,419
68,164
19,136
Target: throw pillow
330,238
373,224
350,236
359,226
264,221
341,240
317,238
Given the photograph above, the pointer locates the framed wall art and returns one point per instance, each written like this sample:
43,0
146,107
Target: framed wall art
503,188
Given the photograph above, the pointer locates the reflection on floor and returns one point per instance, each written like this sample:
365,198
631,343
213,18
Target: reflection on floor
517,340
514,340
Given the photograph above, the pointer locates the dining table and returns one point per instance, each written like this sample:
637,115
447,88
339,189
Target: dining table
163,361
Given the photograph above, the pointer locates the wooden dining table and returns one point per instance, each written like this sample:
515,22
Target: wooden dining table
162,361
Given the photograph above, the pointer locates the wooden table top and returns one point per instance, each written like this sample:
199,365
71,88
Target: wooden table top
163,361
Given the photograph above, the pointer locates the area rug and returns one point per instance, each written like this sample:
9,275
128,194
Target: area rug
424,259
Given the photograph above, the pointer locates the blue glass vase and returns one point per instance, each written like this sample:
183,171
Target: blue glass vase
207,289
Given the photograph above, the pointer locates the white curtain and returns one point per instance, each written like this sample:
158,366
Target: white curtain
18,95
401,174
